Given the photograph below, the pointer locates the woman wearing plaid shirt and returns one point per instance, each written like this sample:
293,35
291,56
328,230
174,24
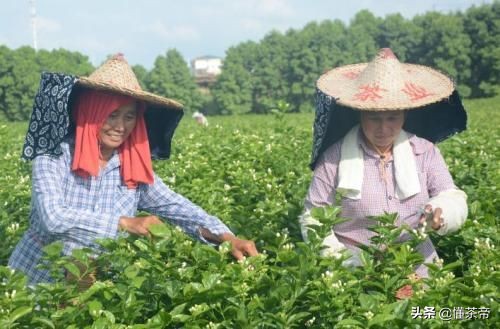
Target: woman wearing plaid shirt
89,183
368,148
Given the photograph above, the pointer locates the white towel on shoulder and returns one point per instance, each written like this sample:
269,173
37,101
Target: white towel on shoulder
351,167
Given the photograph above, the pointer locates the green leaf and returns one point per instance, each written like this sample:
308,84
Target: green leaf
54,249
73,269
178,309
181,317
138,281
43,321
161,319
391,282
97,286
380,318
131,271
19,312
160,230
398,309
209,280
94,305
453,265
141,245
110,316
296,317
192,288
172,288
100,323
368,302
131,299
350,322
80,255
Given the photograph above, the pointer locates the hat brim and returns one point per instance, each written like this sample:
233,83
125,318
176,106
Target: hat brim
415,87
138,94
434,122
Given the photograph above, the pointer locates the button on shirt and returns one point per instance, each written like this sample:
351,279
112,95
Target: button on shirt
78,210
378,195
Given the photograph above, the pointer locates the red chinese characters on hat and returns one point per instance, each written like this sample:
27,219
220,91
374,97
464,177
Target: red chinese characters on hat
415,92
369,93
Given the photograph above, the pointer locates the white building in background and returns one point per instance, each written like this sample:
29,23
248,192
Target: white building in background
206,65
205,69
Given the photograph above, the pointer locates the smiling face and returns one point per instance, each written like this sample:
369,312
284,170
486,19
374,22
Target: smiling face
382,128
117,127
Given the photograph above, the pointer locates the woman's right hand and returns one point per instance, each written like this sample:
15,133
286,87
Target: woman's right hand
432,217
138,225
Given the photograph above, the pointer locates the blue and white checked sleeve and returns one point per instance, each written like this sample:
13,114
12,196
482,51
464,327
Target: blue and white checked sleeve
78,225
160,200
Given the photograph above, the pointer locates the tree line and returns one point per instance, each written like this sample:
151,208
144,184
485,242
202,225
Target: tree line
284,66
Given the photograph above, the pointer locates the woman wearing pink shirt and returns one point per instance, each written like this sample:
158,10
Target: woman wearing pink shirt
373,143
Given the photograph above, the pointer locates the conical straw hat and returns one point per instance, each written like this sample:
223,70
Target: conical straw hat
385,84
116,75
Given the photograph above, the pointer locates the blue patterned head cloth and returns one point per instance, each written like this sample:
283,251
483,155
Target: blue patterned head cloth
51,122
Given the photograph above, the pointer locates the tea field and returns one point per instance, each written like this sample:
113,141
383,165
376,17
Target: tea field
252,172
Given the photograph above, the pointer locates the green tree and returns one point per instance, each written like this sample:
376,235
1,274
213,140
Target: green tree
361,37
6,80
314,50
170,77
482,24
302,69
328,42
446,46
271,65
62,60
285,67
232,91
19,77
141,73
20,71
401,35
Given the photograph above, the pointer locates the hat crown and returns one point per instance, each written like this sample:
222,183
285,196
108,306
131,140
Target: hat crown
384,70
116,71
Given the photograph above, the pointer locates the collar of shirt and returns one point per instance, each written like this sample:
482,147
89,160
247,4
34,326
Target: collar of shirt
113,162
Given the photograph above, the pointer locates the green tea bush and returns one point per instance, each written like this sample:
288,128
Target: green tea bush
252,172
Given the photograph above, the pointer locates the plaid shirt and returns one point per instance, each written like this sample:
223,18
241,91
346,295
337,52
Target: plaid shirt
379,195
78,210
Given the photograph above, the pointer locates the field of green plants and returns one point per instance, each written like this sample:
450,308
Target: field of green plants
252,172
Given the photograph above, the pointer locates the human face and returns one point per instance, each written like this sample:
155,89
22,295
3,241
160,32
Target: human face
117,127
382,128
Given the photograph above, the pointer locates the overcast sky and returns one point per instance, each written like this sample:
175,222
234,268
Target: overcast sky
144,29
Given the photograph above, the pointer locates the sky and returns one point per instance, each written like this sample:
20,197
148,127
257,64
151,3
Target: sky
145,29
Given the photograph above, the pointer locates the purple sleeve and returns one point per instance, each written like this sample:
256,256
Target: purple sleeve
438,176
322,189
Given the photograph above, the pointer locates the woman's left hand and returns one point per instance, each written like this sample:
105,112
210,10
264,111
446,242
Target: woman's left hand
240,248
433,217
